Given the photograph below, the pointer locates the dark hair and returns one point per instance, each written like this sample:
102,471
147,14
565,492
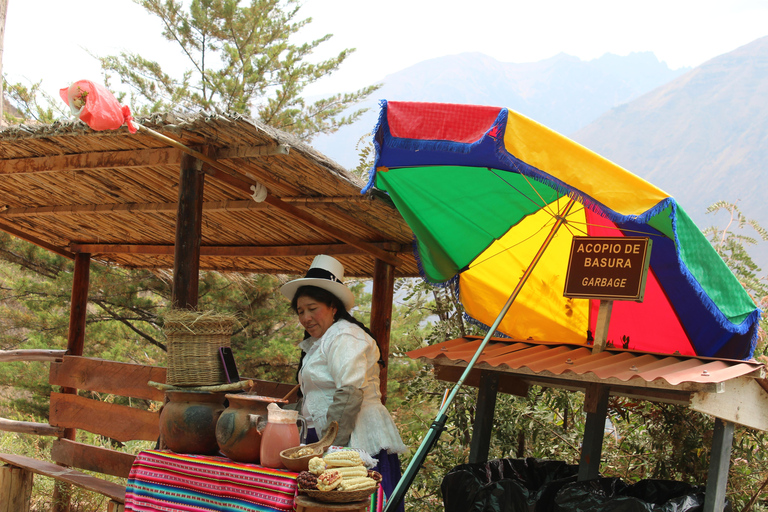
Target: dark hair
332,301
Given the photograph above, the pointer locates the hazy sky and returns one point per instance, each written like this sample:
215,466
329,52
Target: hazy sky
50,39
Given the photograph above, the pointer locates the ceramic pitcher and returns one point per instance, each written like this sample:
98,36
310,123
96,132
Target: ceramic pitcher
281,433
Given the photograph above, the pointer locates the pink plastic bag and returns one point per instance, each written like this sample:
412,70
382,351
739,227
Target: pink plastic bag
97,107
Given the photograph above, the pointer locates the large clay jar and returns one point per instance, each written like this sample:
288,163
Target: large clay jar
188,421
238,431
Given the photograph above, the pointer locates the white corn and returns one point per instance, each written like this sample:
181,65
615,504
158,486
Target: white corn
316,465
352,471
343,458
357,484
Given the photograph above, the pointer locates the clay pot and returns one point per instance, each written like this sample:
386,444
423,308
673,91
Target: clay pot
238,431
188,421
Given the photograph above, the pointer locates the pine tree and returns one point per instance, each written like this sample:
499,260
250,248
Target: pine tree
241,59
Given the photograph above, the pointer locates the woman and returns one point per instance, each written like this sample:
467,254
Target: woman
339,373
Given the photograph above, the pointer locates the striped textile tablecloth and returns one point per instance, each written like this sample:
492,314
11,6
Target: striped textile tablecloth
162,481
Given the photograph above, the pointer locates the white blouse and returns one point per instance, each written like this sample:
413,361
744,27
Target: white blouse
347,356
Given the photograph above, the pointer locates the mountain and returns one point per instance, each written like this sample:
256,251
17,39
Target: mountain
702,138
564,92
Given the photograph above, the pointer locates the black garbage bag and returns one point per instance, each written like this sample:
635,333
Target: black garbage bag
613,495
506,485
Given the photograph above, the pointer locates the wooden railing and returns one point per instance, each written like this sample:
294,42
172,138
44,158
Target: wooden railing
70,412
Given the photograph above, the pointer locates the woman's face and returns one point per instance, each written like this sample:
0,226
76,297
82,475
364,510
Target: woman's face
315,316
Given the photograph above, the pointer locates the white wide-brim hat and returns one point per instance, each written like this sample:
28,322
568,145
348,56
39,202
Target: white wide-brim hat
327,273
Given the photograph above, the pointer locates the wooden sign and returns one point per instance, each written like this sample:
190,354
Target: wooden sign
608,268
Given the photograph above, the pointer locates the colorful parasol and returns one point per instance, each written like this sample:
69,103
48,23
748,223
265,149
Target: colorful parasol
481,188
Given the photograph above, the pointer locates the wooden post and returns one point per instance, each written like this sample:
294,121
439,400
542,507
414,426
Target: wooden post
114,506
483,426
79,304
75,342
186,260
601,329
596,407
719,462
381,314
15,489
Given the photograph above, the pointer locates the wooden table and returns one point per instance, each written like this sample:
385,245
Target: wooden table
163,481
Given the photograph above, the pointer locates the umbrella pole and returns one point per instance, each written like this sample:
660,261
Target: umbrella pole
438,425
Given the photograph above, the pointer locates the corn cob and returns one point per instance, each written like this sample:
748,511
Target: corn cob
307,480
316,465
329,480
357,483
352,471
343,458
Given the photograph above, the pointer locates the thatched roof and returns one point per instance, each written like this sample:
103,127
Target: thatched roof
114,195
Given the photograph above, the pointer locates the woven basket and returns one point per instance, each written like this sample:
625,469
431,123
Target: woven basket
194,339
339,496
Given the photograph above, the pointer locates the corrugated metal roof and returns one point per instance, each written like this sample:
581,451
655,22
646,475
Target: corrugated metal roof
577,365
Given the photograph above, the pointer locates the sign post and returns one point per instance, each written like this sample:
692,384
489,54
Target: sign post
607,269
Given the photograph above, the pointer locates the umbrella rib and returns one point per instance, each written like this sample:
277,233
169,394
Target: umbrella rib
505,249
543,204
553,217
546,205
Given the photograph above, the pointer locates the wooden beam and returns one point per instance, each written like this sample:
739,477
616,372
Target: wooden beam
743,402
112,490
119,422
482,429
210,206
507,383
88,209
92,458
581,380
100,160
36,241
515,384
186,259
30,427
381,314
32,354
251,151
243,183
654,395
108,377
274,251
333,231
